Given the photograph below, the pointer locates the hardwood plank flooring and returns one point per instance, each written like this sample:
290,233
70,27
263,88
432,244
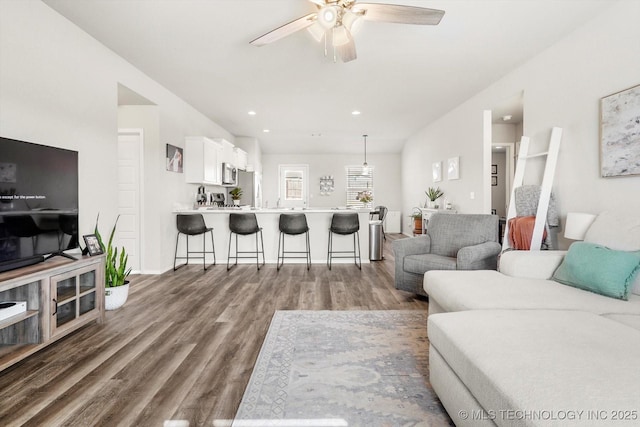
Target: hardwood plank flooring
184,345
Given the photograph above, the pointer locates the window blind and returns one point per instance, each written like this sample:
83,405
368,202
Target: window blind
359,181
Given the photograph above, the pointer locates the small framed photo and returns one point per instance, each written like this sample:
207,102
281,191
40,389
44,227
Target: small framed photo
494,169
93,245
494,181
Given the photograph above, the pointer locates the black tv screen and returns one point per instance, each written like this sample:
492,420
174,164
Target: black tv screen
38,201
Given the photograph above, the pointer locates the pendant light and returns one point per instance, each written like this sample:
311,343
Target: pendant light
365,166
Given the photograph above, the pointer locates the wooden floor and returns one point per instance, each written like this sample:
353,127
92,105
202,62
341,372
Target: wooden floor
184,345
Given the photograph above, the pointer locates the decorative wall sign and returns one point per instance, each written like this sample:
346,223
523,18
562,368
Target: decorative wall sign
620,133
453,168
174,158
436,170
326,185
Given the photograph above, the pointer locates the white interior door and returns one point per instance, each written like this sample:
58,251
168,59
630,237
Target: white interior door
129,232
293,186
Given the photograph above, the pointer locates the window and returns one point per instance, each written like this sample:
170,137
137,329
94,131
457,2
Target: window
359,186
293,187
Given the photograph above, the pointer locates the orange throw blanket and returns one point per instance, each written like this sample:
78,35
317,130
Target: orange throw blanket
521,231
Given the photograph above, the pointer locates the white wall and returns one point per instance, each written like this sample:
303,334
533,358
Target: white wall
386,178
58,86
562,87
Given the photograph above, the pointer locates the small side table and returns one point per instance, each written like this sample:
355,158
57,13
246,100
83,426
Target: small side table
427,213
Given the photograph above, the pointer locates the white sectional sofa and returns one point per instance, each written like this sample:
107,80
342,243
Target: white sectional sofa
514,348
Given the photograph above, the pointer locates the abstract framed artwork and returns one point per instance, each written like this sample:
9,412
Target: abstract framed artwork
494,181
494,169
453,168
436,170
620,133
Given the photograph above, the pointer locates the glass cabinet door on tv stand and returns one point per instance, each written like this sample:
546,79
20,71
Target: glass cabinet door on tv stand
73,297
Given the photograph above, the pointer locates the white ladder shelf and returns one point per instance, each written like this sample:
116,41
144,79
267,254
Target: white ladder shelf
545,191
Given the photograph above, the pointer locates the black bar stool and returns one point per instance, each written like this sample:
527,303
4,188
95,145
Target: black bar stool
244,224
345,224
293,225
193,225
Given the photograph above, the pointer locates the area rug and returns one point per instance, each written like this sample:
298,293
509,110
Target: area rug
343,368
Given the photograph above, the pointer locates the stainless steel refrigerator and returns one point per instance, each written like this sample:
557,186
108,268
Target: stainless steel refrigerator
247,181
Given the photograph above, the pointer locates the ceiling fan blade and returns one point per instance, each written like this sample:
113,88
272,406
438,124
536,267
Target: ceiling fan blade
285,30
399,14
347,51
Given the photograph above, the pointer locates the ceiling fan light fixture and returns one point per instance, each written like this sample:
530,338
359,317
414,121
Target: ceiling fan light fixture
317,31
328,16
352,21
340,36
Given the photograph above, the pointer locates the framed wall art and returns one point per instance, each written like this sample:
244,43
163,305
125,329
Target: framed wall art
174,158
494,169
620,133
436,170
453,168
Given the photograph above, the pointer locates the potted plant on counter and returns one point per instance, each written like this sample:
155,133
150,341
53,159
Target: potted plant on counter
236,194
416,215
116,271
365,197
434,194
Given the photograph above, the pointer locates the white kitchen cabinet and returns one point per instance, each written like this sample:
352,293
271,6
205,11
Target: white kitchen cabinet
227,150
240,158
203,161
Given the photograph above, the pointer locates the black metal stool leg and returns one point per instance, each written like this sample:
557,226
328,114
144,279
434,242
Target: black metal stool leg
175,255
308,252
278,265
262,245
357,235
213,248
330,250
229,251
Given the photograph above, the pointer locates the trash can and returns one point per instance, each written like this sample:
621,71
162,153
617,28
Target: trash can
375,240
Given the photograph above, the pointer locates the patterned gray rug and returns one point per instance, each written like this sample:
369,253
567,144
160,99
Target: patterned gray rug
343,368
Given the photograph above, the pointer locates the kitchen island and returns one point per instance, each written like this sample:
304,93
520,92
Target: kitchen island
319,220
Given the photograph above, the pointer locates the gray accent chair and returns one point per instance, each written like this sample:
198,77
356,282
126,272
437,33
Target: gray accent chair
452,242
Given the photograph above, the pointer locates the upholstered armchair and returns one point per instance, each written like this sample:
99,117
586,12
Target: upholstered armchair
452,242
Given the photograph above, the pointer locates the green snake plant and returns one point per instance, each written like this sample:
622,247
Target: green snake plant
116,270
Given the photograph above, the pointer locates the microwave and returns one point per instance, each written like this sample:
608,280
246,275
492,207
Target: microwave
229,174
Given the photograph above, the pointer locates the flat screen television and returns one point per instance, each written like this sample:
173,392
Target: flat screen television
38,202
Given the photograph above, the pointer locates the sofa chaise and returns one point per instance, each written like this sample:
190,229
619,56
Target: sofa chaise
515,348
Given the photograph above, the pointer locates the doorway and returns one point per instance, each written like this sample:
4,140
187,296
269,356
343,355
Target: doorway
130,160
293,187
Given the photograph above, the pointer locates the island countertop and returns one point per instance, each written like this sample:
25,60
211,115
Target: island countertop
318,219
212,209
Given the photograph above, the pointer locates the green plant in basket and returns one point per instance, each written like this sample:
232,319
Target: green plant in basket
116,270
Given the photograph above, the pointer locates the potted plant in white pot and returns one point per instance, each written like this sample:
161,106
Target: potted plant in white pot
434,194
236,194
116,271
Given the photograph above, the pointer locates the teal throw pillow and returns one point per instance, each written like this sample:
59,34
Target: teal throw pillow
599,269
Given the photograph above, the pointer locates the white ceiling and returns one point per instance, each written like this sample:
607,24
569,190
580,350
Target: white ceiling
405,75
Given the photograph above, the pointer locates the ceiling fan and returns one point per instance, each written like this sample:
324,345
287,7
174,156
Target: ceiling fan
336,21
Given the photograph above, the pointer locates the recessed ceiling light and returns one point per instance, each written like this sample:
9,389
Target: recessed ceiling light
507,117
251,113
266,130
355,113
498,148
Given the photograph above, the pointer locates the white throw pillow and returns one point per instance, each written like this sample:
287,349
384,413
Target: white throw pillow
618,231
